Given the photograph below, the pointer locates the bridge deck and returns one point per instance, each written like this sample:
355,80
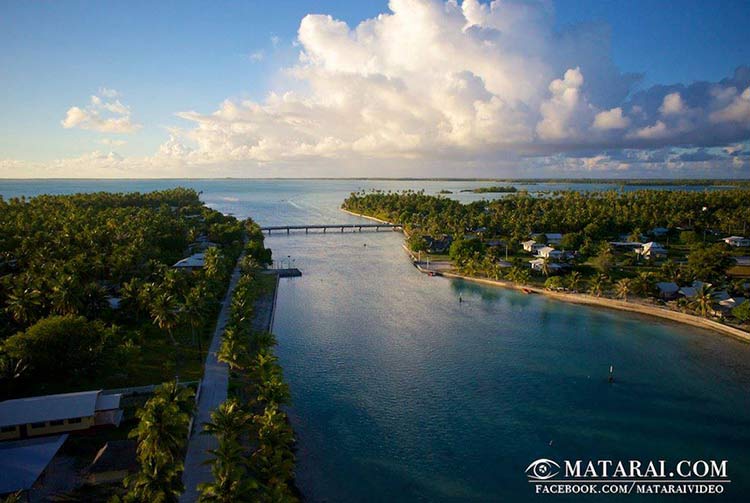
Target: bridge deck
325,227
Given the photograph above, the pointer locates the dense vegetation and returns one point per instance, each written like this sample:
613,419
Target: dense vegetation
88,296
494,189
588,221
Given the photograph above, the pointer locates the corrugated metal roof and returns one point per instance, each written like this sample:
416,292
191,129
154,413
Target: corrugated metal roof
23,461
48,408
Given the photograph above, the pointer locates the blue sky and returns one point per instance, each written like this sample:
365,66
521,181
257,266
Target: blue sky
165,58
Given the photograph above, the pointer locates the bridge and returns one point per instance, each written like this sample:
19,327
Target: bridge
325,227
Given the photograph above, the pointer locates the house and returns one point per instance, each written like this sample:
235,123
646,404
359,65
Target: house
441,245
659,232
532,246
738,241
727,305
115,461
651,250
553,238
192,263
201,246
668,290
625,245
23,463
692,291
549,252
53,414
538,265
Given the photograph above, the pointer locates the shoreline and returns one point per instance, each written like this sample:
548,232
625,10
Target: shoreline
601,302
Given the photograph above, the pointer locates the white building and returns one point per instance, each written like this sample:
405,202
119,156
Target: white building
651,250
538,265
549,253
531,246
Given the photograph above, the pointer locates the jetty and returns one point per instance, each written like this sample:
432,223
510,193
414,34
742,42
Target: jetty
326,227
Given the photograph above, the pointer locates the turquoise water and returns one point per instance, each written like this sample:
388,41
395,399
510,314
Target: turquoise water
401,393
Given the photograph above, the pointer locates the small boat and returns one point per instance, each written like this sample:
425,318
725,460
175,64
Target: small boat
527,291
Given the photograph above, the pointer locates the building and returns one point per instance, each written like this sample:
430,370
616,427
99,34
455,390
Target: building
531,246
651,250
538,265
115,461
23,463
192,263
738,241
553,238
549,253
668,290
54,414
438,245
659,232
625,245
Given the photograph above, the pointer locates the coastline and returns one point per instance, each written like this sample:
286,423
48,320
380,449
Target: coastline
374,219
589,300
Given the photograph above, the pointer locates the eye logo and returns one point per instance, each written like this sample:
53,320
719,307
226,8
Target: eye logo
542,469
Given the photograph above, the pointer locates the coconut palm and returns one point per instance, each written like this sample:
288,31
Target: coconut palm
598,284
623,288
229,421
24,304
546,270
574,280
704,301
164,313
66,295
643,283
231,483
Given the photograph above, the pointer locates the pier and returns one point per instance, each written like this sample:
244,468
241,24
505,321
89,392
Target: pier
326,227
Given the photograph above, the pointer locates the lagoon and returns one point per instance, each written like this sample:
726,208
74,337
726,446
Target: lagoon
401,393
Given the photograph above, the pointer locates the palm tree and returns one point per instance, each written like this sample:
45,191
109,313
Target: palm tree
162,435
231,482
704,301
194,311
228,421
66,295
233,352
598,284
23,304
546,266
574,280
642,284
623,288
164,313
129,293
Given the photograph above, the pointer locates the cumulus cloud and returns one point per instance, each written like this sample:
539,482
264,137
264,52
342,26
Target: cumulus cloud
104,113
439,80
611,119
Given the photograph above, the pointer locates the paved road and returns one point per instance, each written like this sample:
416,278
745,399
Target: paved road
213,393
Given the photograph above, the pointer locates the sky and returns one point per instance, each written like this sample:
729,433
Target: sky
406,88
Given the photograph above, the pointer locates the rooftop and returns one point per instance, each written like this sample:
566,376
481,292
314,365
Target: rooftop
23,461
37,409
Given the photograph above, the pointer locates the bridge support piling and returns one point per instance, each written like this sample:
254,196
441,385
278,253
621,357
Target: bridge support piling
287,231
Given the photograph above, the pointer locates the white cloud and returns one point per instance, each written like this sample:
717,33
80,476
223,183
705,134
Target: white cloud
738,110
257,55
672,105
611,119
104,113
